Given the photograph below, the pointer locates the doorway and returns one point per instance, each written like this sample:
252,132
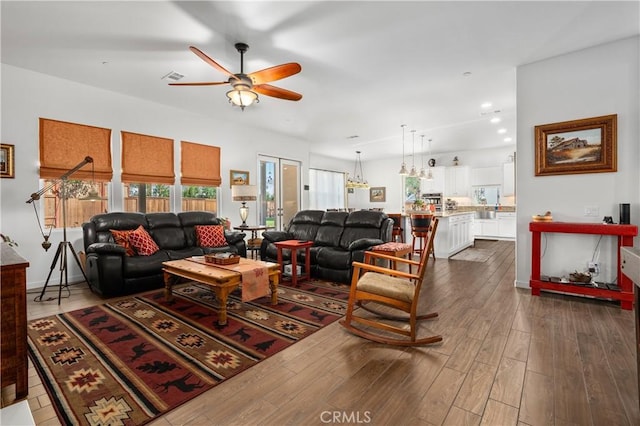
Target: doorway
278,190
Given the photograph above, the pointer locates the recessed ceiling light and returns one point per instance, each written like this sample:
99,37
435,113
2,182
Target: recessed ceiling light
495,120
507,139
486,105
502,131
466,73
352,137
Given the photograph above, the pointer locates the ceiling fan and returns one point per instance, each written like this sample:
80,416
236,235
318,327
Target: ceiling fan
244,85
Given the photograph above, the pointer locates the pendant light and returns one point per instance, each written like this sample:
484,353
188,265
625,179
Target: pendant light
422,173
413,172
429,174
358,181
403,170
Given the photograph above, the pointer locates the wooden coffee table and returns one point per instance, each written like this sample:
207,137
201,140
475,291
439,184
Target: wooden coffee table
222,281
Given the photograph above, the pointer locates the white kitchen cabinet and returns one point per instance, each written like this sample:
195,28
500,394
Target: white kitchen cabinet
485,228
508,179
502,227
454,234
437,184
506,224
484,176
456,182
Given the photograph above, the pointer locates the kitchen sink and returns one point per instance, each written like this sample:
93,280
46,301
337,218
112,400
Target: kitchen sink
486,214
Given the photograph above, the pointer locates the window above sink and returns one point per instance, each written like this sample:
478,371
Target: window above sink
486,195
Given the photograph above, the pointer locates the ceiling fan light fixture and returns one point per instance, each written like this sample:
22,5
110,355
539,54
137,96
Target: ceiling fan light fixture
242,96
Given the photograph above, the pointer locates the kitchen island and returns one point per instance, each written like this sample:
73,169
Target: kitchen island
454,233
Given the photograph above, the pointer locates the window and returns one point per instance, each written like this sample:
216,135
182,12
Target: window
63,148
147,173
199,198
78,211
326,189
200,176
411,189
147,197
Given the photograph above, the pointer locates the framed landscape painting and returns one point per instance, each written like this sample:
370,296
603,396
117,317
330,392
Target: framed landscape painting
7,161
238,177
378,194
588,145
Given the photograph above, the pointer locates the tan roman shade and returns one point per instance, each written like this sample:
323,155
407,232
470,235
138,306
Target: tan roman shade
64,145
147,159
200,164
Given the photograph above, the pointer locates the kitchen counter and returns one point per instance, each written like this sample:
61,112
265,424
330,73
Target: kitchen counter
453,235
501,226
448,213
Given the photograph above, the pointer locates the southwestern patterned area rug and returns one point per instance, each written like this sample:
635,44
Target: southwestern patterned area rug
131,360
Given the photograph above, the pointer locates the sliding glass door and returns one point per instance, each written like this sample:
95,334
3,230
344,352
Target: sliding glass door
279,190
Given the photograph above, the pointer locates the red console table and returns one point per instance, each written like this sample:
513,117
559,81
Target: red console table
625,234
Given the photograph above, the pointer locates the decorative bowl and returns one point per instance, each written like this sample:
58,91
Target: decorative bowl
580,277
222,258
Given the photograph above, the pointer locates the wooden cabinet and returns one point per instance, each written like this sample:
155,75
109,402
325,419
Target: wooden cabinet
13,307
456,181
624,234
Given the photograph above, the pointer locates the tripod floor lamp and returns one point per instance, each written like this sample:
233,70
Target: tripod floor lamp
64,247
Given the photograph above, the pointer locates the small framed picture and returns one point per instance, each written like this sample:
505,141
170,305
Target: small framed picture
587,145
7,161
378,194
238,177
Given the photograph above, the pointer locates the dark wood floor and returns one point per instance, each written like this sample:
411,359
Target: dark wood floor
507,359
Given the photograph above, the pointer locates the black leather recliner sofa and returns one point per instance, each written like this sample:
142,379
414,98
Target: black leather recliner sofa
339,238
112,273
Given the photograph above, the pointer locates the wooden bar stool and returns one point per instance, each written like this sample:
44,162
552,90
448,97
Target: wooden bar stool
420,232
398,229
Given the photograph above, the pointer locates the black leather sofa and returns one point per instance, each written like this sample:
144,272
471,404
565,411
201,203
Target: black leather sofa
112,273
339,239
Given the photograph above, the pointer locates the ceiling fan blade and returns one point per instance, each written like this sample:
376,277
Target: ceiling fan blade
211,62
275,73
277,92
203,83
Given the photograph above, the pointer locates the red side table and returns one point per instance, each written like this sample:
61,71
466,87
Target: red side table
294,245
624,233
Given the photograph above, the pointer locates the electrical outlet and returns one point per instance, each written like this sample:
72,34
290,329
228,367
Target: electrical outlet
592,211
594,268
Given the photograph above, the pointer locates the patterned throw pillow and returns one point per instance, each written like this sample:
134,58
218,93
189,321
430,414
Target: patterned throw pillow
210,235
122,238
142,242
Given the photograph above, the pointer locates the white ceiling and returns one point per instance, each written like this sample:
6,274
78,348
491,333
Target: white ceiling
367,67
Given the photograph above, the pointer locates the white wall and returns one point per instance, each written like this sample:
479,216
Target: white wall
597,81
27,95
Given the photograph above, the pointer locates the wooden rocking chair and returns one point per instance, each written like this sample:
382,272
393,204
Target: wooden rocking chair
392,288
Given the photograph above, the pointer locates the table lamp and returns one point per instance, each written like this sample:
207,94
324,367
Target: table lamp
244,193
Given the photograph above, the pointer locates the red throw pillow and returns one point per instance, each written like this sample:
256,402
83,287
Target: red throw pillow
142,242
122,238
211,236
